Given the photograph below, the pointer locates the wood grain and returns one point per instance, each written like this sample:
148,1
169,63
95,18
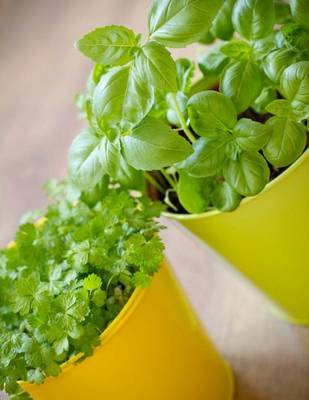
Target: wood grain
39,73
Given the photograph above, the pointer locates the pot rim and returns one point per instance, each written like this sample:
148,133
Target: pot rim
269,186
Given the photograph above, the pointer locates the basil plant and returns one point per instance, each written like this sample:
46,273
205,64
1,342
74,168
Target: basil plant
206,144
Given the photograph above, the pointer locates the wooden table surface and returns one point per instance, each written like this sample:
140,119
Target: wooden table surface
39,73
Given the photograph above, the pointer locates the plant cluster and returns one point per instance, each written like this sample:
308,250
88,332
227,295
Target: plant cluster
67,277
199,148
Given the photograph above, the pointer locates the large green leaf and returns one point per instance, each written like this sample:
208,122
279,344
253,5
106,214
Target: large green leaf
300,11
176,23
242,82
213,61
211,113
253,19
155,64
286,143
84,166
224,197
266,96
122,99
194,193
282,11
280,108
222,26
276,62
294,84
110,45
251,135
208,157
153,145
248,174
116,167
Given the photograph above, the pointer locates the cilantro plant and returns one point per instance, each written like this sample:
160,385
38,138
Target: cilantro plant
66,279
199,148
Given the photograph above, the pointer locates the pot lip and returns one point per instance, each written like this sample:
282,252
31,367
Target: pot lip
270,185
108,333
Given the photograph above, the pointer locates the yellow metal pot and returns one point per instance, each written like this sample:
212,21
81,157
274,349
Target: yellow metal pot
267,239
155,349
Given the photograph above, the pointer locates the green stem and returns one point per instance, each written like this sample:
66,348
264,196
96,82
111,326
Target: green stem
168,178
182,121
153,182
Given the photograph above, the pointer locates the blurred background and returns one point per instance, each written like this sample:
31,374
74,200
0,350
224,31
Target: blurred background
40,71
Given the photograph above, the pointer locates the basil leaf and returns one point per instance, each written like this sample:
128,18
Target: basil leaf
206,114
94,78
176,23
111,45
224,197
248,174
286,143
253,19
294,83
300,12
260,104
295,36
213,61
185,72
300,110
208,156
121,99
251,135
222,26
207,38
84,167
94,195
276,62
236,49
262,47
280,107
155,64
171,114
116,167
282,11
153,145
194,193
242,82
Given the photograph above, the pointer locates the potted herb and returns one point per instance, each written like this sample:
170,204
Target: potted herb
231,162
82,316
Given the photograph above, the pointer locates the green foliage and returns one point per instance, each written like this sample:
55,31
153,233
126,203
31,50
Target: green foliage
155,64
219,141
247,174
253,19
122,99
84,160
287,141
176,23
300,11
222,26
237,78
112,45
154,145
213,61
194,193
206,116
65,279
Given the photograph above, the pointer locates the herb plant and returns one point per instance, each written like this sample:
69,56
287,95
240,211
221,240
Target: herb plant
66,278
198,148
